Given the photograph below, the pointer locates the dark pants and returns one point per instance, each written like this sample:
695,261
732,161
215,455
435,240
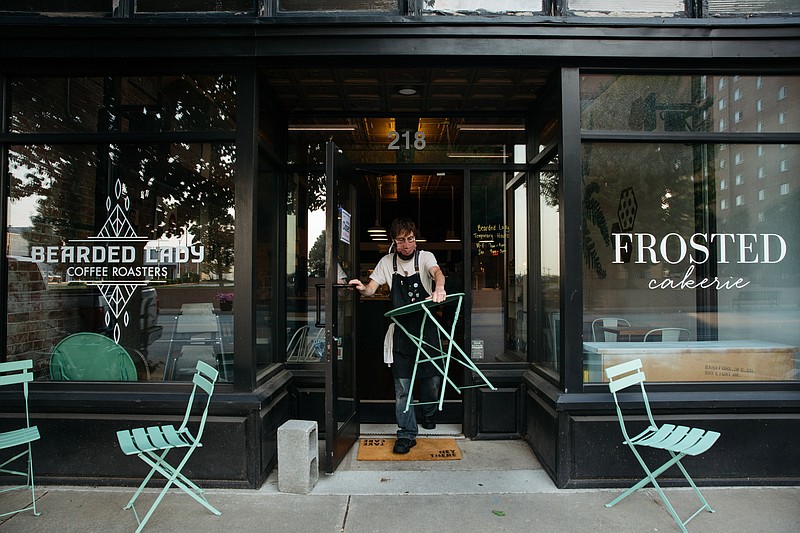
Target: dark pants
428,392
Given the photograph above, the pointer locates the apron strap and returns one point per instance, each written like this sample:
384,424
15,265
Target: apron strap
416,261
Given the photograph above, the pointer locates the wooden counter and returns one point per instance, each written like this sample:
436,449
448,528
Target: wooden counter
747,360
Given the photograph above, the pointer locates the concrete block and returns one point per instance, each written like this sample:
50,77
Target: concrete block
298,456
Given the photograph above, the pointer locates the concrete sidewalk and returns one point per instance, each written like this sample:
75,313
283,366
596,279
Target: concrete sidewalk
67,509
486,491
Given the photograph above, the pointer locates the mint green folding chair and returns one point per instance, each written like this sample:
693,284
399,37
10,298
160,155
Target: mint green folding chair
15,373
152,445
678,441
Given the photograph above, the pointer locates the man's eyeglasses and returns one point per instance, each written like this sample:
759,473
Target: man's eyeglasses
403,240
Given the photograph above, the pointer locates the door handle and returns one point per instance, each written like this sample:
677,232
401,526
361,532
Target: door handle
318,319
319,286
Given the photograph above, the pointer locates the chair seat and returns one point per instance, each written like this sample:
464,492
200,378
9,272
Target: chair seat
678,439
141,440
18,436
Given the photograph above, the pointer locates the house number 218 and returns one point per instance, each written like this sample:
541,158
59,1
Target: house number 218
419,140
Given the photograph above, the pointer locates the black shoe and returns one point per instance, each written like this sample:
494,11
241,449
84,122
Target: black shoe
428,422
404,445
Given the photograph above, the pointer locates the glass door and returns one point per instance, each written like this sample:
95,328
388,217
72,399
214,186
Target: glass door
341,264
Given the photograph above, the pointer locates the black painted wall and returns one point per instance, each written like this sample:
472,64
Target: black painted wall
579,443
79,445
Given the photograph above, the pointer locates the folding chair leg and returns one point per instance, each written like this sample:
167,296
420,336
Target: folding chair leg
651,478
29,482
173,477
676,459
671,509
696,491
145,481
642,483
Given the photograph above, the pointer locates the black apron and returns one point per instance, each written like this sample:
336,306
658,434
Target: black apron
407,290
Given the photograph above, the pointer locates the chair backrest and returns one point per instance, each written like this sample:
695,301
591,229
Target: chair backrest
314,348
607,322
91,357
204,379
626,375
297,344
667,335
16,372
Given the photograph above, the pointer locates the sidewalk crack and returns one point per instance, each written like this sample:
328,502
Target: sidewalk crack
346,510
39,495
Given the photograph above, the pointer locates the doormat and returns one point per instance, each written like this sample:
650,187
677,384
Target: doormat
427,449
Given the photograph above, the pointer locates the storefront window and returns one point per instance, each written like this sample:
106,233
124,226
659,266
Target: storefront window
550,262
699,281
489,237
123,104
58,6
750,7
121,260
689,103
689,249
305,266
194,6
517,242
264,282
323,6
481,6
625,8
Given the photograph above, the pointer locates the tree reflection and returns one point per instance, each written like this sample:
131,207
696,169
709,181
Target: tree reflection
181,192
71,182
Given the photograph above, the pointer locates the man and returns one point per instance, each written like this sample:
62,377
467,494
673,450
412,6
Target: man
412,275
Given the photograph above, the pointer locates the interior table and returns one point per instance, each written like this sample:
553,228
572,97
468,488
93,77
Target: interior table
631,333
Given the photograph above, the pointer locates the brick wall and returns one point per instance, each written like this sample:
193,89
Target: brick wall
37,317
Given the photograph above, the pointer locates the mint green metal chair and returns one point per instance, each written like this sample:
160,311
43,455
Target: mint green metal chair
90,356
15,373
667,335
152,445
678,441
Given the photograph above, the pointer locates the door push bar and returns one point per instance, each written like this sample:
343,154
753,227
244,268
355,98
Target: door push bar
319,286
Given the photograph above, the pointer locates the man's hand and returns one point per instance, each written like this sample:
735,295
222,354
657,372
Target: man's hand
439,295
357,285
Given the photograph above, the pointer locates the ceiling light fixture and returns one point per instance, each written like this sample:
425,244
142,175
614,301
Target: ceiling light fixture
491,127
451,235
476,156
378,232
406,91
322,127
420,238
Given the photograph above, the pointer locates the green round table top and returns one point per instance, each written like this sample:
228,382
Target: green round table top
416,306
